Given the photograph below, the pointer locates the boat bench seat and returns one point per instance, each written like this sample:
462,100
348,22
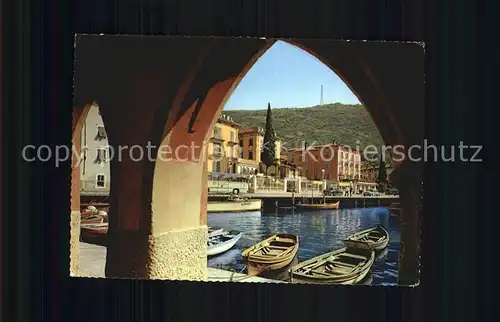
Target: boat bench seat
354,256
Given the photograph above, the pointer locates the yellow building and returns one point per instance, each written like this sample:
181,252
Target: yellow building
222,147
251,141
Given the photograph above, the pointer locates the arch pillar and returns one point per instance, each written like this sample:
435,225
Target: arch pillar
79,115
407,177
178,239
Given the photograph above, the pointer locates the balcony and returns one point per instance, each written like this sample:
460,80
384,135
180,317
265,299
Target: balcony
217,152
217,136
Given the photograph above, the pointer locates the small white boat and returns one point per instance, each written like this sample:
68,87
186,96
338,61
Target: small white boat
212,231
234,205
221,243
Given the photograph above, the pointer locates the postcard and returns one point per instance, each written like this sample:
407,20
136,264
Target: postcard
247,160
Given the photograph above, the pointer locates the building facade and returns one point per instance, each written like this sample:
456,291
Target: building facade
94,166
251,141
370,170
222,148
332,162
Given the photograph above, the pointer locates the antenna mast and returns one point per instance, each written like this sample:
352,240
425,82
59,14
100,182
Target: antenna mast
321,102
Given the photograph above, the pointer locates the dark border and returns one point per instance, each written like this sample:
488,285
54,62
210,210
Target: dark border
36,109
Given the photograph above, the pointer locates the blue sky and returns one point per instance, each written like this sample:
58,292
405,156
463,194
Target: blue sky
287,76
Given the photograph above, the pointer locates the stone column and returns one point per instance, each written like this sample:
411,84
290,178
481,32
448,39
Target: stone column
408,179
299,183
285,181
75,215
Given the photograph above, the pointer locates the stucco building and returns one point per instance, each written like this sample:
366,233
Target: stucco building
251,141
95,153
332,162
223,146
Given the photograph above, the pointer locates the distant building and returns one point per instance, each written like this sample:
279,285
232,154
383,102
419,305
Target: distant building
332,162
94,167
251,141
223,146
370,170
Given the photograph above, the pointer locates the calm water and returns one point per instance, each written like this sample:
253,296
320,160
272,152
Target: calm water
320,232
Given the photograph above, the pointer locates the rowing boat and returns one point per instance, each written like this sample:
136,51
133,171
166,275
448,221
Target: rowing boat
94,231
212,231
223,242
342,266
319,206
375,238
271,254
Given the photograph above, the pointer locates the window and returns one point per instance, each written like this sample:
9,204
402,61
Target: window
250,155
241,153
216,166
101,156
231,151
250,141
217,148
217,132
100,181
231,136
241,143
101,133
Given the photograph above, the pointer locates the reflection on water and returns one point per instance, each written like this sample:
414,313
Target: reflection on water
319,231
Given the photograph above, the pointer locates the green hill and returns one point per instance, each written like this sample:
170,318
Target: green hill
347,124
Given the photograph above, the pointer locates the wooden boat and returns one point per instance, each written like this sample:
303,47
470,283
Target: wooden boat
238,205
342,266
271,254
94,231
375,238
92,219
223,242
214,231
319,206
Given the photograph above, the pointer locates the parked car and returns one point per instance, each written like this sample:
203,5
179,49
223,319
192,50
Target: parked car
332,191
371,192
392,191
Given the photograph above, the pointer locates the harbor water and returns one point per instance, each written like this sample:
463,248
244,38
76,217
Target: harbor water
319,232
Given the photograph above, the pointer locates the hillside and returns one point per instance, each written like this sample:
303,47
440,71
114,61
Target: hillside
345,123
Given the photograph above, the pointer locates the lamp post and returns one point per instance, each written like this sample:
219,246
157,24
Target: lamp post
324,186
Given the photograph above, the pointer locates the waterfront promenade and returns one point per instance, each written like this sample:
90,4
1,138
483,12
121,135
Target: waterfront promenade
93,262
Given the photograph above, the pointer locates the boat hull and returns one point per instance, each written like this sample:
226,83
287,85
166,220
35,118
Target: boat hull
327,206
223,247
231,206
349,278
256,268
259,263
94,233
355,241
215,231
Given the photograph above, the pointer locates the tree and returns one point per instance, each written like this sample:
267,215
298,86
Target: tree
382,175
268,153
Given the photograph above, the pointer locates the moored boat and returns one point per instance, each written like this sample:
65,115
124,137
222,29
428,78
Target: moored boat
342,266
239,205
271,254
375,238
319,206
212,231
94,232
223,242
